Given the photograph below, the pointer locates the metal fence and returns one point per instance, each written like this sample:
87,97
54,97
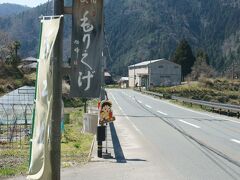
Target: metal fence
220,107
16,110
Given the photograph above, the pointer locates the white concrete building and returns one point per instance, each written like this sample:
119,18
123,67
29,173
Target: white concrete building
158,72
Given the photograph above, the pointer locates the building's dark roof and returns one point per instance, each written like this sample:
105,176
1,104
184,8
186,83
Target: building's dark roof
29,59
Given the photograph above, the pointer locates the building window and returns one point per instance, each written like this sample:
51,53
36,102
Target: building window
176,67
160,66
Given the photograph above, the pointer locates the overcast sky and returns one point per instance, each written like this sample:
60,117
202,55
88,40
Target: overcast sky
30,3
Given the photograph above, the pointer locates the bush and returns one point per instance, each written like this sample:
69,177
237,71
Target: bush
223,99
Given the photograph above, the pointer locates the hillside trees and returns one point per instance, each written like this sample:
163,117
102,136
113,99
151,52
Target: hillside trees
184,57
13,57
4,42
9,49
201,67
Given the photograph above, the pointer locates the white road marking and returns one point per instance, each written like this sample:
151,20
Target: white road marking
162,113
148,106
186,109
133,99
236,141
140,101
130,96
134,126
193,125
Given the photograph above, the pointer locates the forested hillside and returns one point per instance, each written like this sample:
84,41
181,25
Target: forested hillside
10,9
148,29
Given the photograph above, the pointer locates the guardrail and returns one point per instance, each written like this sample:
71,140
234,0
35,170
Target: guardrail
214,106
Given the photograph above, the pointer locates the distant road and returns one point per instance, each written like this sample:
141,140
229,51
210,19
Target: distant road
182,143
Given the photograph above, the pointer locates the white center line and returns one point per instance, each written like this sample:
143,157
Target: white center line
140,102
236,141
193,125
162,113
148,106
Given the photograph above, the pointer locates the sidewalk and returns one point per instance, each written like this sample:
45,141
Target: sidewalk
130,159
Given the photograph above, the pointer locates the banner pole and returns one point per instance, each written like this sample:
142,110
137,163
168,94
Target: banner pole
55,135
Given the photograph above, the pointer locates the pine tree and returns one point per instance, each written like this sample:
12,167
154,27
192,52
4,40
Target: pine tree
184,57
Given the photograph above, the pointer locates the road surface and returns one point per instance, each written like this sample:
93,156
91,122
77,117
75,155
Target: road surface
153,139
180,143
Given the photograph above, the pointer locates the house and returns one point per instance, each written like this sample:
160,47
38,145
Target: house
123,82
108,78
28,64
158,72
29,60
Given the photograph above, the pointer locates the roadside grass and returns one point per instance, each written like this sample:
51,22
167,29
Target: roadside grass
75,147
111,86
14,161
188,105
213,90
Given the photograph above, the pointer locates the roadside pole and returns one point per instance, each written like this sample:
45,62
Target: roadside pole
55,137
149,74
134,77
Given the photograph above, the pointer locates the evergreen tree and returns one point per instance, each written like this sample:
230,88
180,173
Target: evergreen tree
184,57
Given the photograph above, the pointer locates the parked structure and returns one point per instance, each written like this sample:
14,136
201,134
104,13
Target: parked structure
123,82
158,72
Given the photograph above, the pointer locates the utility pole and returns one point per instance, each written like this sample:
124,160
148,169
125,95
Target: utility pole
149,74
134,76
55,137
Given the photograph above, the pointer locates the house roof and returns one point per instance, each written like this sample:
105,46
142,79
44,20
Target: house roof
123,79
107,74
31,59
145,63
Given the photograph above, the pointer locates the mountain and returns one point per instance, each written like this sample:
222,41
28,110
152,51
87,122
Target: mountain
148,29
7,9
151,29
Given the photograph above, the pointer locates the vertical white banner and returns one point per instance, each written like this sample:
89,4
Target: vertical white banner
40,153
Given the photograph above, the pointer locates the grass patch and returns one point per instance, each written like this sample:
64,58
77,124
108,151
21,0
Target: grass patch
75,147
13,161
110,86
217,90
188,105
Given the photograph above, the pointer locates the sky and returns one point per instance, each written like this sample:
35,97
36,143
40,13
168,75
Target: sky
30,3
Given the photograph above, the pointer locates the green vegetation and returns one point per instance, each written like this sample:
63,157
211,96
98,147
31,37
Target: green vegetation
14,161
110,86
184,57
11,78
147,29
201,68
215,90
75,147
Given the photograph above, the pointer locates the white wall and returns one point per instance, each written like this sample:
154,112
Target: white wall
138,72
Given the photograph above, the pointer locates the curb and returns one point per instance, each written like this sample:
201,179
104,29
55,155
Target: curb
91,150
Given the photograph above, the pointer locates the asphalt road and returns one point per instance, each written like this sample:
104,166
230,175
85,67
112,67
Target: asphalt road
176,143
153,139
